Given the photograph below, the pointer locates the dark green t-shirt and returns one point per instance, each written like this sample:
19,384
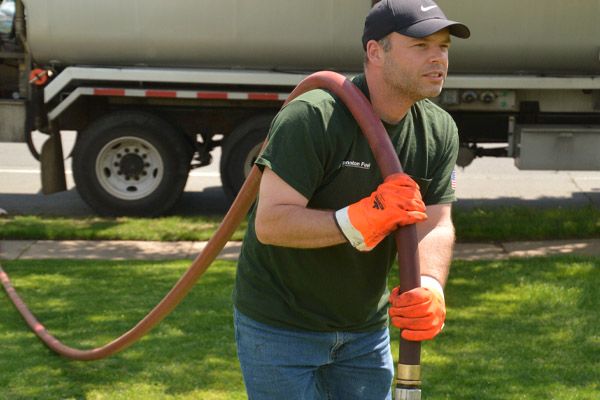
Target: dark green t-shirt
316,146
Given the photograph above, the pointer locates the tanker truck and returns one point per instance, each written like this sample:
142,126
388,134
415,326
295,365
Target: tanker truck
153,87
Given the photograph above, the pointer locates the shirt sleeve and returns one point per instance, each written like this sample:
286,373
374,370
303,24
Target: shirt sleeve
295,149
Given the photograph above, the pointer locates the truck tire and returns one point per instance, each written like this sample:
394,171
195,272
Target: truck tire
240,149
131,163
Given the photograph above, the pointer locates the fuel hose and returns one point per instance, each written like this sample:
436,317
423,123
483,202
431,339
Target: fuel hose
408,260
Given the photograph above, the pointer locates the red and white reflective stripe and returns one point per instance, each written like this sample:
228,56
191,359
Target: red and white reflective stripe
173,94
108,92
187,94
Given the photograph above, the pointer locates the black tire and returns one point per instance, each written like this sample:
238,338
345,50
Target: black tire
240,149
131,163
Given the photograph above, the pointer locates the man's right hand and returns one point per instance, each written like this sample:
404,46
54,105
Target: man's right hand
397,201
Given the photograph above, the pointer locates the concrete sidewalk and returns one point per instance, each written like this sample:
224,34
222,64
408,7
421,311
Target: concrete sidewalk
144,250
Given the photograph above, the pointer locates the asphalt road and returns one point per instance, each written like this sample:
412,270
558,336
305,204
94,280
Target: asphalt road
486,182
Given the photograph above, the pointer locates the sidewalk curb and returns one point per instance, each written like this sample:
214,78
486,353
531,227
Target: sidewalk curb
148,250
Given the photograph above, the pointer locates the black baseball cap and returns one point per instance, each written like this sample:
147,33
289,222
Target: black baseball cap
414,18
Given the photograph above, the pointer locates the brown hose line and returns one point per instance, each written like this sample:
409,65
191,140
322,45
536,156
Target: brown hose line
386,158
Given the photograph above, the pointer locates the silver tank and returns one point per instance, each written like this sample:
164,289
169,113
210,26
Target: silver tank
508,36
286,34
526,36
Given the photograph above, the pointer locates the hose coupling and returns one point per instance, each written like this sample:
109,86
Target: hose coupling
408,375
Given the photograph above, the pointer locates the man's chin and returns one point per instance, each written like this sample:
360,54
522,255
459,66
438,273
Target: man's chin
432,92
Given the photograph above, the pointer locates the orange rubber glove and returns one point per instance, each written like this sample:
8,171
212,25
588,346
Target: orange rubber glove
397,201
420,312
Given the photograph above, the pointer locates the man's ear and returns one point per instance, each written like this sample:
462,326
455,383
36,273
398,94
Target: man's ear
374,52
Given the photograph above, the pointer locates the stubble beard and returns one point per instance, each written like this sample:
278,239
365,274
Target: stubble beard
405,84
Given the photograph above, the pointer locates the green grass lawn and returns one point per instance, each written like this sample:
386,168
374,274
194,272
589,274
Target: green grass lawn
493,224
516,329
190,355
173,228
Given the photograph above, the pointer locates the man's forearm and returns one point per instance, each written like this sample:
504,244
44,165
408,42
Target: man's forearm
435,253
299,227
283,219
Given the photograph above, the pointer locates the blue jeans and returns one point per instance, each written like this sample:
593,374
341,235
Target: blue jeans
279,364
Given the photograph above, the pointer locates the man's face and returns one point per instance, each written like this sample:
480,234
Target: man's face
416,68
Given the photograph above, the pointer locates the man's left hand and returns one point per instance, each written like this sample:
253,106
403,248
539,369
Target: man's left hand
420,312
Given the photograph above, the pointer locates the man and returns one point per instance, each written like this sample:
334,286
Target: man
310,294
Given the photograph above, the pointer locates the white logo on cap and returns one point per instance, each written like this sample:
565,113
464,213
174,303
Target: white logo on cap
427,8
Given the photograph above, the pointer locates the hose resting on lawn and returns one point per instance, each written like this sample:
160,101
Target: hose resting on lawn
389,164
